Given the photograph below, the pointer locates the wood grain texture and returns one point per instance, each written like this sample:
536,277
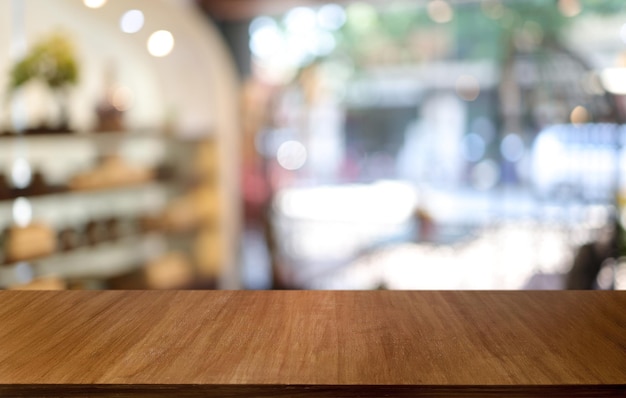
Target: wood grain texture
210,343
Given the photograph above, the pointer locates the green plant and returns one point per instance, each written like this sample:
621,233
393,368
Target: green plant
51,60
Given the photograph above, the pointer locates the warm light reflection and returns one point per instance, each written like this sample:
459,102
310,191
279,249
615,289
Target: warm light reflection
579,115
569,8
122,98
160,43
276,70
94,3
132,21
440,11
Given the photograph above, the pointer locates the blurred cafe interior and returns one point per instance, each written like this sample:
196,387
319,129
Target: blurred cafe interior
308,144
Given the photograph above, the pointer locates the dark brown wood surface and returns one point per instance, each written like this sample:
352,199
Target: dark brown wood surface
335,344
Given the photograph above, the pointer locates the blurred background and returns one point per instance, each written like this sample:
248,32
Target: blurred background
271,144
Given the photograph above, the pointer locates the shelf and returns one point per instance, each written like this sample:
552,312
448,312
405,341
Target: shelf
175,171
83,136
61,190
64,190
168,234
104,260
107,135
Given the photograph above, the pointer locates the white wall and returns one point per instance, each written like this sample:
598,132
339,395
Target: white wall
179,83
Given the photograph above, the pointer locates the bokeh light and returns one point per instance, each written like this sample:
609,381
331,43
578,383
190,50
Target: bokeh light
512,148
21,173
122,98
440,11
579,115
22,212
474,147
280,52
160,43
331,17
464,107
132,21
323,43
485,175
467,87
94,3
485,128
614,80
300,20
291,155
266,41
299,49
570,8
362,17
261,22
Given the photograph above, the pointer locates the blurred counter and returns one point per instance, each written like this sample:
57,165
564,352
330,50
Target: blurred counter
308,343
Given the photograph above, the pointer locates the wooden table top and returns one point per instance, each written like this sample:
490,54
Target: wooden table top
306,343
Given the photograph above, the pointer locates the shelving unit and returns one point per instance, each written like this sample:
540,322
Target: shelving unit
167,217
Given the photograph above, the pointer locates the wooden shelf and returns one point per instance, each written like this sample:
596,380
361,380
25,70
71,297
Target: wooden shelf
91,135
104,260
64,190
322,344
111,258
63,263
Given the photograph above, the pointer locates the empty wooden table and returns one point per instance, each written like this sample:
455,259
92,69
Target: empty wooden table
305,343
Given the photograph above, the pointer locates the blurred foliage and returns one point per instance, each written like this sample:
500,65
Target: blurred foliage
402,32
51,60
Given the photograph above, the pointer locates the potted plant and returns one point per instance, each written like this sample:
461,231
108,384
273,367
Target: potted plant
53,62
